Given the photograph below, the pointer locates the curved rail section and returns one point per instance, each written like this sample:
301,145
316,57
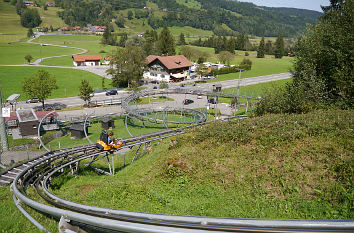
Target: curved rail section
40,173
200,116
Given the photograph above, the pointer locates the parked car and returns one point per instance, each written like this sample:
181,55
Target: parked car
212,101
33,100
112,92
187,101
155,87
155,82
199,97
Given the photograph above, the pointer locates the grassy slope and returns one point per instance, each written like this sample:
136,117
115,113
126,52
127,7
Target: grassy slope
14,53
50,17
10,23
67,79
276,166
91,43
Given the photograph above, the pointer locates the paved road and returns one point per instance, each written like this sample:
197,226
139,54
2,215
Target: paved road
76,101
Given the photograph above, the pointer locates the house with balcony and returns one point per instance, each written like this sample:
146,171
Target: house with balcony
168,68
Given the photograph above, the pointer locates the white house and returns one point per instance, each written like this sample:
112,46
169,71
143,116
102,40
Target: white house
167,68
87,60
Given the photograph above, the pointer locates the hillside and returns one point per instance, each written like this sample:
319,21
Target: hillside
220,16
276,166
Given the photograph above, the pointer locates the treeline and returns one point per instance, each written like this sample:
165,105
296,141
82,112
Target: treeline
242,42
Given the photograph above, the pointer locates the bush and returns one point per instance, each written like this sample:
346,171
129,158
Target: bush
247,54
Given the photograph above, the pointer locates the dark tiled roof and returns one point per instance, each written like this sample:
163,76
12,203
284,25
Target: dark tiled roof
171,62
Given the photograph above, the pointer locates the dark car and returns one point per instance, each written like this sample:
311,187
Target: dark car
33,100
212,101
112,92
187,101
155,82
155,87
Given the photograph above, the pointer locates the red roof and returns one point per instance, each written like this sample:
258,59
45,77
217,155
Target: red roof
171,62
82,58
39,114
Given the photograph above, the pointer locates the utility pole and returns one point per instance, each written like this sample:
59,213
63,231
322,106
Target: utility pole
238,91
3,134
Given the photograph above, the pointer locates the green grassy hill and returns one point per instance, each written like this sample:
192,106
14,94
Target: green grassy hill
11,26
276,166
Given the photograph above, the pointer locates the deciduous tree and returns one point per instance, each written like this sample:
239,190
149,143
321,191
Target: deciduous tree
28,58
86,91
225,57
127,66
39,85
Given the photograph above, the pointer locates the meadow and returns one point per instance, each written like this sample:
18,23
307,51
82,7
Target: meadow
91,43
68,80
260,66
14,53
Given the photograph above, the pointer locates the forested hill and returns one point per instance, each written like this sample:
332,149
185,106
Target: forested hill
223,17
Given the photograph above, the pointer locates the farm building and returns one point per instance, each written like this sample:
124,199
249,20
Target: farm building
87,60
168,68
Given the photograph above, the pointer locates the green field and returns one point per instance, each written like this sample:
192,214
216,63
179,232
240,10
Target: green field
14,53
68,80
260,66
91,43
257,89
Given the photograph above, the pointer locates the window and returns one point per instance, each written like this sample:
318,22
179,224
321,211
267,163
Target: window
162,75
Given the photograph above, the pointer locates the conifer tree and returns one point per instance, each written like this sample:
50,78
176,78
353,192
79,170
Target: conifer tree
261,49
130,15
181,41
269,47
279,47
30,32
166,43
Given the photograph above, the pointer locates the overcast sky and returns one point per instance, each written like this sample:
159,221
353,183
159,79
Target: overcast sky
302,4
